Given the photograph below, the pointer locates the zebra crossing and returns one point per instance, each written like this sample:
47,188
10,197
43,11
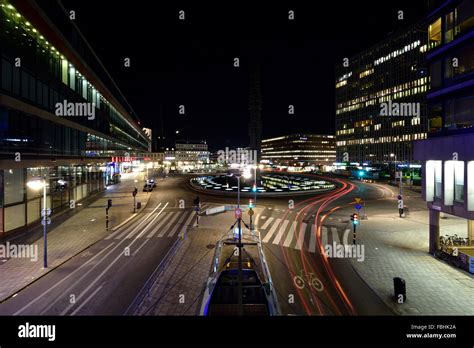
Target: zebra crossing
163,224
298,235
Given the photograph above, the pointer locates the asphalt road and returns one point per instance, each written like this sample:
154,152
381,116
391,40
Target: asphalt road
106,278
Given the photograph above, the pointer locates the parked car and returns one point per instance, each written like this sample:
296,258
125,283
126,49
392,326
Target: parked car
151,182
147,188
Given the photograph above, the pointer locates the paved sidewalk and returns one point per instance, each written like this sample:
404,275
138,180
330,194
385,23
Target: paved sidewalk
73,235
398,247
188,272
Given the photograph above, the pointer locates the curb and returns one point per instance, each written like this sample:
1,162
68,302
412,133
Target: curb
62,263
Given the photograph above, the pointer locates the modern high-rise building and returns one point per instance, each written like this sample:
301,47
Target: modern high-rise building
62,117
447,155
380,99
299,150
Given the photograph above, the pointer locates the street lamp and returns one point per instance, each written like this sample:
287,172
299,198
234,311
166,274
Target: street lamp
396,171
36,185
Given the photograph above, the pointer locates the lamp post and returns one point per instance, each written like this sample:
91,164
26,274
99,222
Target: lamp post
36,185
396,171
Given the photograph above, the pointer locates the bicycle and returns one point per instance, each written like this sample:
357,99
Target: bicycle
301,280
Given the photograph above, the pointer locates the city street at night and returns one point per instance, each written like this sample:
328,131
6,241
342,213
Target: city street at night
200,173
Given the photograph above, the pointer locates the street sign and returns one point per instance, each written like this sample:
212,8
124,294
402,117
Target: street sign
358,206
250,212
48,212
238,213
48,221
358,200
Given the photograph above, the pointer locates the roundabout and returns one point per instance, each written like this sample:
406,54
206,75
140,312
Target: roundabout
267,184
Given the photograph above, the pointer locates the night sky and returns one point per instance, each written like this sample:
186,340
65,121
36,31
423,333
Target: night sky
191,62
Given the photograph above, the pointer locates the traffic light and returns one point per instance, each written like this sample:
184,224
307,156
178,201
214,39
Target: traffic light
355,219
196,201
254,188
250,203
134,193
361,173
109,203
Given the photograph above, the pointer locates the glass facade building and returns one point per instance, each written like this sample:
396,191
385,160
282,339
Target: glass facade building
373,89
40,69
447,155
294,149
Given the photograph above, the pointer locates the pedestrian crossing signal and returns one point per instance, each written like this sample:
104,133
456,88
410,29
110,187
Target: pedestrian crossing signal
355,219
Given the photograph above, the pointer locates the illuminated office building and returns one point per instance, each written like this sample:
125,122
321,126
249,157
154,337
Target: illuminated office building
299,150
447,155
375,84
41,68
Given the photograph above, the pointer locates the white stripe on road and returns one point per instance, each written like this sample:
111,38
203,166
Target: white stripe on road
272,230
87,300
267,223
324,236
62,280
178,224
150,223
127,232
168,224
90,270
346,236
335,236
158,226
186,224
312,239
116,229
290,234
280,232
301,236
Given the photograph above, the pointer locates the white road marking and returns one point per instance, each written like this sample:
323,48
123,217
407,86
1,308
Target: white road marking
346,236
335,236
62,280
158,226
272,230
170,223
301,236
150,223
312,239
280,232
86,300
324,236
267,223
178,224
291,233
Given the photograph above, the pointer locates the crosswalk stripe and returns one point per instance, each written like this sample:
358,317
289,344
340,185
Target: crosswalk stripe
346,236
268,222
280,232
335,236
324,236
302,233
178,224
188,221
158,226
263,217
290,234
272,230
312,239
168,224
